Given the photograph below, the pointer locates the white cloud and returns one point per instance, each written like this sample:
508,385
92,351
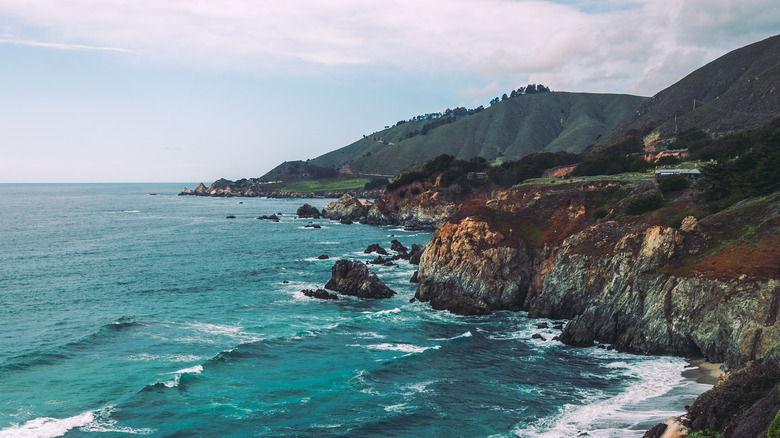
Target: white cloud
488,90
584,45
59,46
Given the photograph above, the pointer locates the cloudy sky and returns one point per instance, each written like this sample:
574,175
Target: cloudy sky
195,90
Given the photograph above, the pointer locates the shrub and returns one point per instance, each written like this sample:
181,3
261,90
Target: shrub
600,213
667,160
644,204
375,183
774,428
415,191
610,165
673,183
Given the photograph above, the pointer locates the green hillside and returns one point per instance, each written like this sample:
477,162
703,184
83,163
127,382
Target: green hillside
735,92
510,129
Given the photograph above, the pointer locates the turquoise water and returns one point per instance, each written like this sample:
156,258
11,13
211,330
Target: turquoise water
125,313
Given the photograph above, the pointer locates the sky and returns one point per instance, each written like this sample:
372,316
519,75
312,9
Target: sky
196,90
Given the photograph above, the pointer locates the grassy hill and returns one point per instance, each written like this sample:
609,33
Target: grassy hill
735,92
510,129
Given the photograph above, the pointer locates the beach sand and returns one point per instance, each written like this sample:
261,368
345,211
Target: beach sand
704,372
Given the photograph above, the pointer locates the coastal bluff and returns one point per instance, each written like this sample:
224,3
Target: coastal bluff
692,288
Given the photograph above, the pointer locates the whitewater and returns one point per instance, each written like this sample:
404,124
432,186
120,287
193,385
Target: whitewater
127,310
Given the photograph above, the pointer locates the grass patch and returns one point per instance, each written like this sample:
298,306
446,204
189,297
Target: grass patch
327,185
743,240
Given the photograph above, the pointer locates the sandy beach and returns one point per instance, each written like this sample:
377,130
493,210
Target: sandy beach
704,372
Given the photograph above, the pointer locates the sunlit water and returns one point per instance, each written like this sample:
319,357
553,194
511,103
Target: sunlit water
123,312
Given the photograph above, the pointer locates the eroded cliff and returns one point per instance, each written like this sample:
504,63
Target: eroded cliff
650,283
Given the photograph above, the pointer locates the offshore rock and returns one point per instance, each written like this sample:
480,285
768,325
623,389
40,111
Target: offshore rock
321,294
346,209
351,277
308,211
414,256
398,247
375,248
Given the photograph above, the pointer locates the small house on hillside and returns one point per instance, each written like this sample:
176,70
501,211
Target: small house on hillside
690,174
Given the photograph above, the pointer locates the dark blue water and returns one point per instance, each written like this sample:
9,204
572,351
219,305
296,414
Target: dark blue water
125,313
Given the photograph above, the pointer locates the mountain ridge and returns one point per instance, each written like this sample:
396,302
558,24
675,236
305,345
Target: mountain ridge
510,129
735,92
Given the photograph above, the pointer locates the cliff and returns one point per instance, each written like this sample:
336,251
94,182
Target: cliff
650,283
415,206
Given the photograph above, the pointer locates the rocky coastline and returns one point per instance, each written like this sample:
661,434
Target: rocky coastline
227,189
662,282
623,282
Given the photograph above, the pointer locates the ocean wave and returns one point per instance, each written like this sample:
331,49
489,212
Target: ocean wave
66,351
613,416
176,381
146,357
404,348
28,360
382,313
103,423
46,427
463,335
122,324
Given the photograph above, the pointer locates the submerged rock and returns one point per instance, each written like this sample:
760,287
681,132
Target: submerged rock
351,277
321,294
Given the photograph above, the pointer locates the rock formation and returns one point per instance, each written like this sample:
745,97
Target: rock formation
351,277
414,256
321,294
469,269
308,211
346,209
424,211
375,248
634,283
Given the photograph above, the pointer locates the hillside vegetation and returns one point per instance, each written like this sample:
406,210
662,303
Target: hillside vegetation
735,92
509,129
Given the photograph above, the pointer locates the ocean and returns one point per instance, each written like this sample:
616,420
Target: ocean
127,310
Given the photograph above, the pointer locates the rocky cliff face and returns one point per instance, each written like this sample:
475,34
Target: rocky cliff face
414,207
469,268
631,281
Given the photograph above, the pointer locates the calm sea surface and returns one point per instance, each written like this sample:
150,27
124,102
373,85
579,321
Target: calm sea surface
126,313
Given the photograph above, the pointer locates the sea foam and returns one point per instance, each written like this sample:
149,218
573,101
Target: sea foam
46,427
612,416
